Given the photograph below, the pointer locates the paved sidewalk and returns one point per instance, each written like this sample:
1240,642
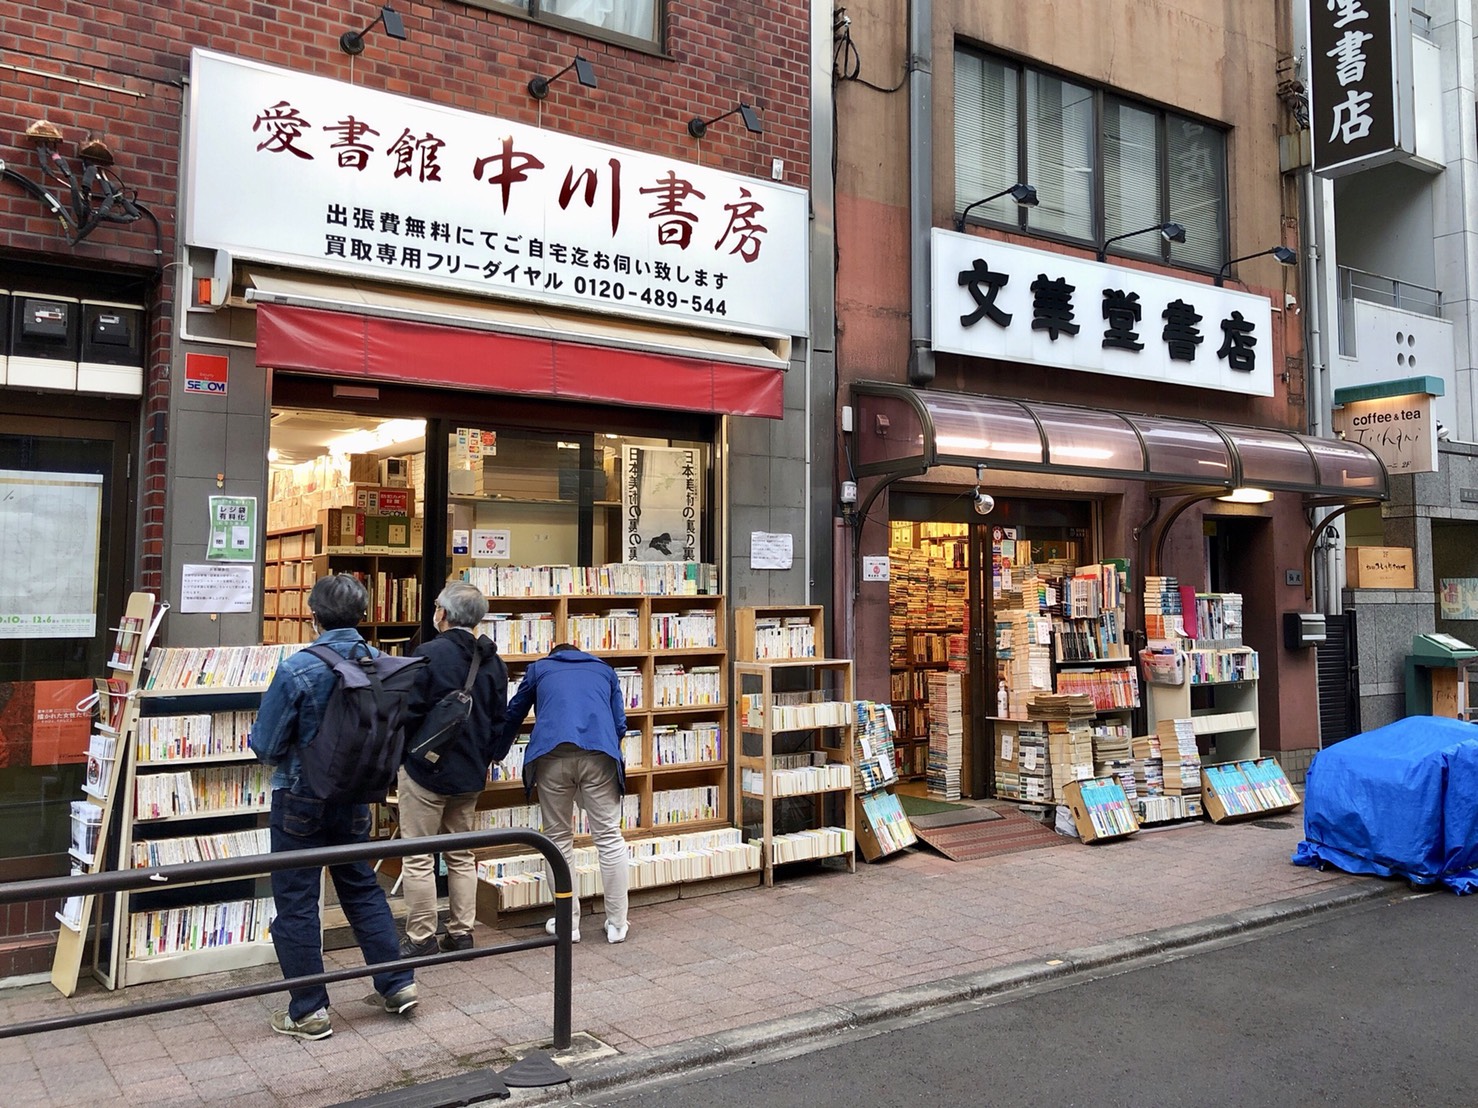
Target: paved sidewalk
697,979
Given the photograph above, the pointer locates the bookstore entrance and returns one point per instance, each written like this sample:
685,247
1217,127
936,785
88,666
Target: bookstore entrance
960,584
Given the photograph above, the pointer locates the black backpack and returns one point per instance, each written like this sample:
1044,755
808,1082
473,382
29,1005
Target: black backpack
360,743
445,721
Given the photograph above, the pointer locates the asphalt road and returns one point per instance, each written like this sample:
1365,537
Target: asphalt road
1373,1005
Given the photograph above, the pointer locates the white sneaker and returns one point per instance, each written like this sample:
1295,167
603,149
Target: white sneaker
549,930
616,934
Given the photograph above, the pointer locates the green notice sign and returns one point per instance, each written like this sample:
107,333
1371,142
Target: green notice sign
233,529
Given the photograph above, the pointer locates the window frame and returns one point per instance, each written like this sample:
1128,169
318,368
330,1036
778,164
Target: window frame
530,11
1020,220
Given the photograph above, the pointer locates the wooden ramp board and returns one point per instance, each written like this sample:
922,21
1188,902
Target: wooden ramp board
1011,833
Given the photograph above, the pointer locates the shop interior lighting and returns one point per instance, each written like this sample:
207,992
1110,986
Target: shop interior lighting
352,42
584,73
1172,232
699,127
1025,195
390,434
1283,254
1247,495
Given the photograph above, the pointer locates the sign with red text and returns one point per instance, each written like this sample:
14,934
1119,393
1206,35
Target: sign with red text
305,171
206,373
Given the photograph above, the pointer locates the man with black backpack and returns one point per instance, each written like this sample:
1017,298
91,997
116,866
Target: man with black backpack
329,723
455,729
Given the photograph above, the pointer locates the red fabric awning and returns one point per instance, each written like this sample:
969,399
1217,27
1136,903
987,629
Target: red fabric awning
367,346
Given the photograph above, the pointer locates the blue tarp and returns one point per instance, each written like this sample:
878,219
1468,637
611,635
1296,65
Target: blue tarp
1399,801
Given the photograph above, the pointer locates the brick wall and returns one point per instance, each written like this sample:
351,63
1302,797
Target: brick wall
117,71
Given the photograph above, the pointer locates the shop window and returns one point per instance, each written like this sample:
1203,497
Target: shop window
641,20
1102,165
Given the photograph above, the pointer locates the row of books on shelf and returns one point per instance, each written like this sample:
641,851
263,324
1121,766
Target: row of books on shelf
661,860
817,842
695,630
674,745
199,927
794,717
617,629
1098,639
204,792
780,637
519,634
392,599
612,579
669,806
201,848
1109,689
1208,667
203,735
189,667
799,781
678,686
1092,590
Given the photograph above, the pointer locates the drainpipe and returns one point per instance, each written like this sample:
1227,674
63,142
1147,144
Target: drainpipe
920,187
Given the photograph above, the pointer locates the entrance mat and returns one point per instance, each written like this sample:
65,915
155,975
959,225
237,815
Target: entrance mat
1011,833
926,806
972,814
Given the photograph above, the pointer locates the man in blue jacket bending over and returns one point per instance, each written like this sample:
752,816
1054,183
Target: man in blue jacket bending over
574,757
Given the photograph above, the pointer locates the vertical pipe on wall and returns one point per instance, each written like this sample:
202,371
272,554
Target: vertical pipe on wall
920,186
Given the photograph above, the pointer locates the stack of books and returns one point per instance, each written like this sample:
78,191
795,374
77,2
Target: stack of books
1034,775
946,734
1162,612
1182,760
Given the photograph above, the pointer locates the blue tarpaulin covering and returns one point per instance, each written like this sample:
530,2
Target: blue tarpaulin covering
1399,801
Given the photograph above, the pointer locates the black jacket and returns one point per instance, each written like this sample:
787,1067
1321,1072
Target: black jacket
463,767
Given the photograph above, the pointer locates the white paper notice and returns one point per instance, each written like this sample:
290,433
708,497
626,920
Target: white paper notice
49,532
1008,745
492,544
769,550
875,567
1028,757
218,587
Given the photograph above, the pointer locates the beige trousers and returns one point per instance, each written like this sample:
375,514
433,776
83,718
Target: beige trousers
423,812
567,776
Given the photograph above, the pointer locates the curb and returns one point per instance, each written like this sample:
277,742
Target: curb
743,1042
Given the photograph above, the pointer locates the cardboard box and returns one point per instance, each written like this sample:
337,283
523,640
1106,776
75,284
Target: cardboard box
1101,812
363,468
395,473
1379,567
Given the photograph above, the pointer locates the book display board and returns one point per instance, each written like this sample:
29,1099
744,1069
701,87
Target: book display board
669,653
94,817
1244,790
795,719
883,827
192,790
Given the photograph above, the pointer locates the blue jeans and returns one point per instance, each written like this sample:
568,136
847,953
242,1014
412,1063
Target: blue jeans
300,822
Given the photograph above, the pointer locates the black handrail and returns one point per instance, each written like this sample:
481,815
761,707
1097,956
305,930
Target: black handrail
254,865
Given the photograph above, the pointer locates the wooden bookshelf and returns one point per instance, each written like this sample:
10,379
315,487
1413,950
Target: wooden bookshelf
812,726
677,746
808,639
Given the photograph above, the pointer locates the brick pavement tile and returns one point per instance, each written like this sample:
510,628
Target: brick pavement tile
228,1088
197,1046
207,1069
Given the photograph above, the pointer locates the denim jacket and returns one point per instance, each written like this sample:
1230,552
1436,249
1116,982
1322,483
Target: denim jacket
292,707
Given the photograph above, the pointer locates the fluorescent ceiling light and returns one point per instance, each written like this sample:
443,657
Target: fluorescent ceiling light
1247,496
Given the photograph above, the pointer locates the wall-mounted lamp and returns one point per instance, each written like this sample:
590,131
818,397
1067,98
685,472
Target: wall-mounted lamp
699,127
1247,495
983,502
1025,195
98,195
1172,232
352,42
1284,255
584,73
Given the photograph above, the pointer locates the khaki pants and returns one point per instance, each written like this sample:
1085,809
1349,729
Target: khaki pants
423,812
567,776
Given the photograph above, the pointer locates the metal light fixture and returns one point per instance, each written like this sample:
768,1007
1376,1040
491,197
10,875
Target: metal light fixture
980,500
352,42
1284,255
1172,232
1025,195
97,194
699,127
584,73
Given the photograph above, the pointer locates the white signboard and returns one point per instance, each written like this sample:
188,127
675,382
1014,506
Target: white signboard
875,567
216,587
286,167
1037,307
770,550
49,533
1397,429
492,544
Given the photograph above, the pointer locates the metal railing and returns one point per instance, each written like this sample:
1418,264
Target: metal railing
255,865
1357,284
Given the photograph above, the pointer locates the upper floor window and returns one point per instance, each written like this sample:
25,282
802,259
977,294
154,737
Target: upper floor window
633,19
1102,165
